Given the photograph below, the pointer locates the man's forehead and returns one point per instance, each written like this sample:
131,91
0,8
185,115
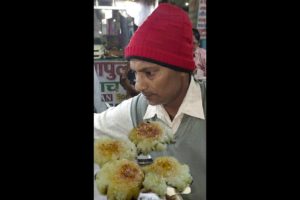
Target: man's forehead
136,63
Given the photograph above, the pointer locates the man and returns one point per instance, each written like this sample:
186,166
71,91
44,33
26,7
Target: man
161,54
199,57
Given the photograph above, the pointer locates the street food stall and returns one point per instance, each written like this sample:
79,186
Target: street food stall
114,24
112,31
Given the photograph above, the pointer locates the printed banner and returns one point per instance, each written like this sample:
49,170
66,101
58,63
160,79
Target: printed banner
108,73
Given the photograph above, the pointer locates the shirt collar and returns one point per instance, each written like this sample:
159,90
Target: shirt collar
192,100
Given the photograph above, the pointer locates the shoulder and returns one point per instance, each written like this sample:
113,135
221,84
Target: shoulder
139,102
138,108
202,51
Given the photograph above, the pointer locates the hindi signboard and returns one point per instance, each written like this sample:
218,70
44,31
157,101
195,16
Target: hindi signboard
108,73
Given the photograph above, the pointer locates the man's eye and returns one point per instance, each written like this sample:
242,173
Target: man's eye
149,73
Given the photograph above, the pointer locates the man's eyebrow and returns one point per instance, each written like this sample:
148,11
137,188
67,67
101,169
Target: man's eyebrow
148,68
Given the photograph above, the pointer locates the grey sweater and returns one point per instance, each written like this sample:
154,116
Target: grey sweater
189,147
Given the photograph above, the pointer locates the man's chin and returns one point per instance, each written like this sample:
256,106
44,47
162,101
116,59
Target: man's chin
152,100
152,103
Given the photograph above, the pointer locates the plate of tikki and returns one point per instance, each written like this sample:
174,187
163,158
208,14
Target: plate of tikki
122,175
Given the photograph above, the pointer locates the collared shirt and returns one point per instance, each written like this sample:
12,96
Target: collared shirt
192,100
117,122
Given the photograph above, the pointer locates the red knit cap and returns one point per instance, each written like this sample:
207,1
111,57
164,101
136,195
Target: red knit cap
165,38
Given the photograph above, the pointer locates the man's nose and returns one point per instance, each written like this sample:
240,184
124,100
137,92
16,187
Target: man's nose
140,84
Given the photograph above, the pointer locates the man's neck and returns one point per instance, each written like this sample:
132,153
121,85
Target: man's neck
173,107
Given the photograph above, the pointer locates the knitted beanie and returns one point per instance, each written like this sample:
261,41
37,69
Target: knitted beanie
164,38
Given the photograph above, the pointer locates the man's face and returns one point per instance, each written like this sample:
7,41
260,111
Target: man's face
160,85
